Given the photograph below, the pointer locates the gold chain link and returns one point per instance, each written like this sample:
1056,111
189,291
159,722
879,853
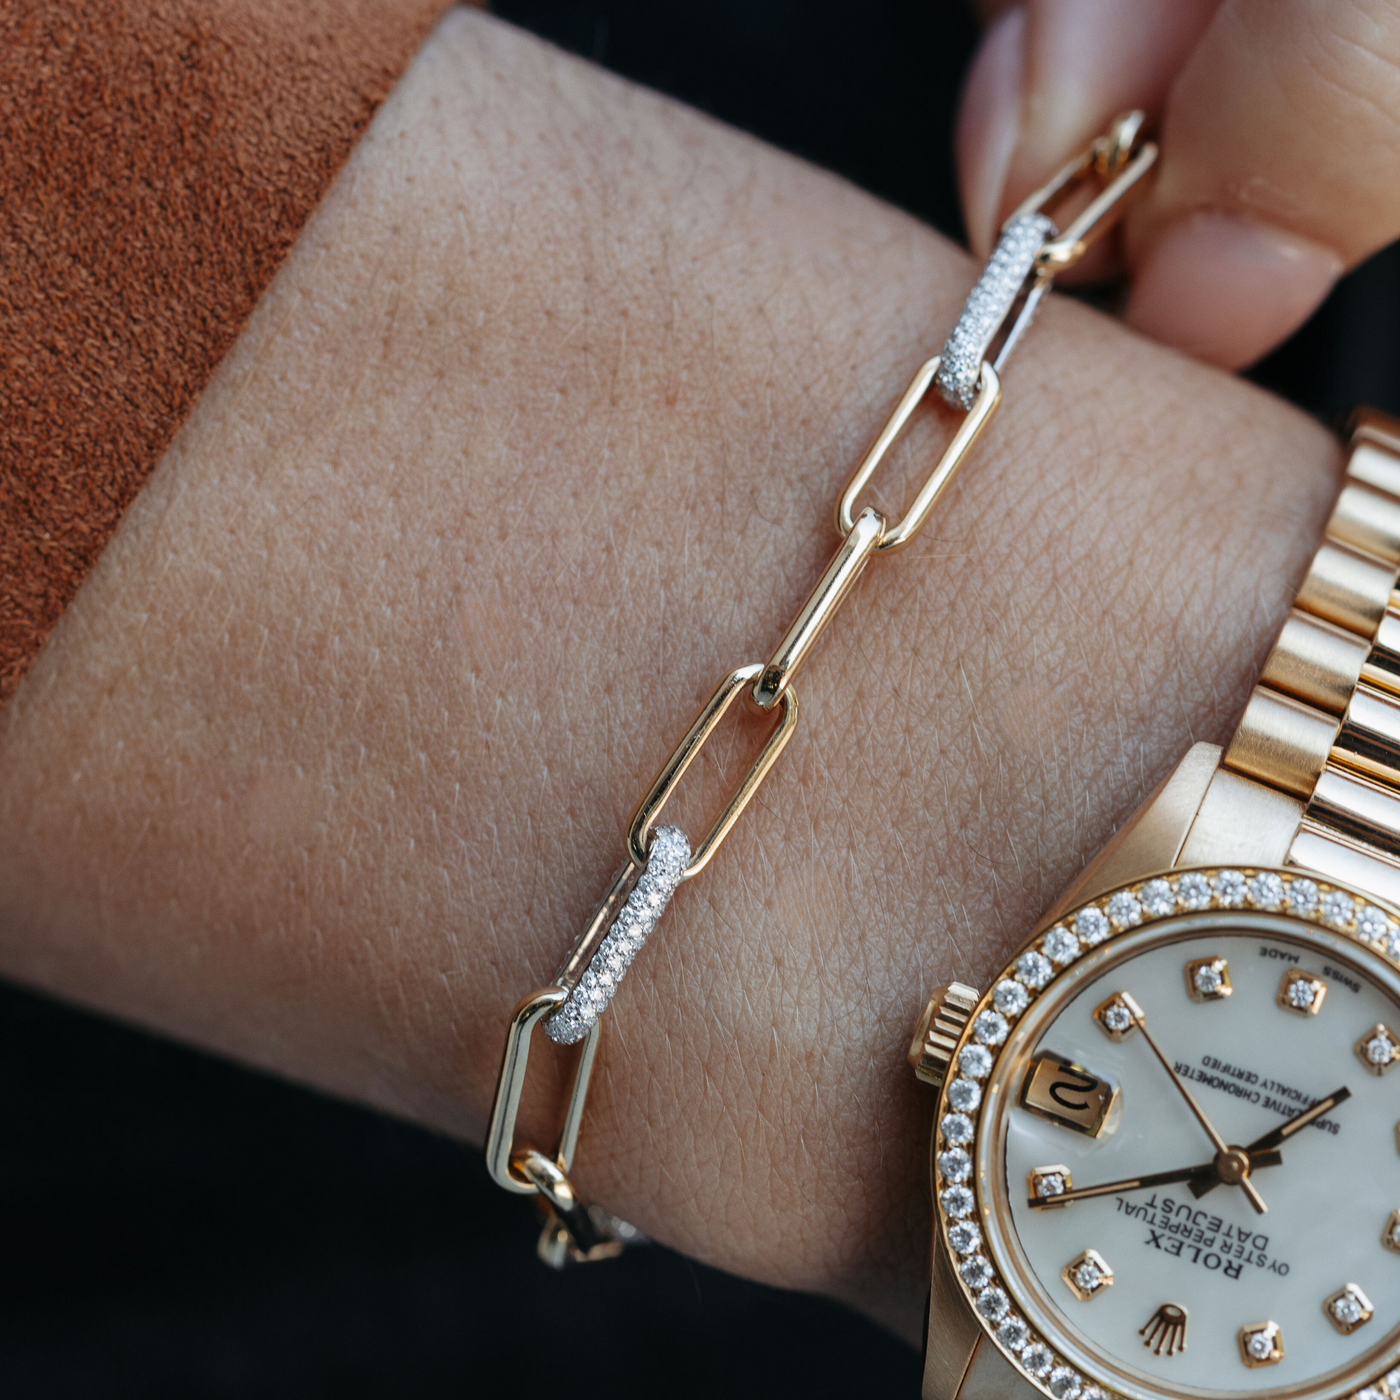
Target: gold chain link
1119,158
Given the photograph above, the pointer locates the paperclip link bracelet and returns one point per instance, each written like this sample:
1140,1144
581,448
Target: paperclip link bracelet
1031,251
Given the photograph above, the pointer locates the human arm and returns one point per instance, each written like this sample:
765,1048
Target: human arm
536,435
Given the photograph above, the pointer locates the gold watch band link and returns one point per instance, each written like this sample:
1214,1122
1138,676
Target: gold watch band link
1322,728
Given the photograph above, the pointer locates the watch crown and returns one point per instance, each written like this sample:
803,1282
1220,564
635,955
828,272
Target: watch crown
936,1035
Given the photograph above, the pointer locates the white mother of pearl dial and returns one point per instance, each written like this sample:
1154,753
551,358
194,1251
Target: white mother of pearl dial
1207,1295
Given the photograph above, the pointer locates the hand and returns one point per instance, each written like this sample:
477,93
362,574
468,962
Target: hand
1279,133
1136,1183
1209,1175
1230,1163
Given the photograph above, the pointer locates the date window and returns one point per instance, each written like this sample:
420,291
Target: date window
1068,1094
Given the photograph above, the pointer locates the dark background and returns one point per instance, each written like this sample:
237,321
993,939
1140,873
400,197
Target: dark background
175,1226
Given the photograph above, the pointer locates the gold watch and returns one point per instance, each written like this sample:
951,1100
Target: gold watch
1166,1152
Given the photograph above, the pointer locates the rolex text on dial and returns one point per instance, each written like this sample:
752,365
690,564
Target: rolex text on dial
1166,1155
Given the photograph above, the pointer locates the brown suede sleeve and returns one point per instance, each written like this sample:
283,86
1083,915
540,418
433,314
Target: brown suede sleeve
157,158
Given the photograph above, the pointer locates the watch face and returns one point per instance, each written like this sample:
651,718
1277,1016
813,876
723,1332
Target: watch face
1166,1155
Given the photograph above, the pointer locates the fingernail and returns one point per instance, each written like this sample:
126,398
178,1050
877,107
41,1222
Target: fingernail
1228,290
989,124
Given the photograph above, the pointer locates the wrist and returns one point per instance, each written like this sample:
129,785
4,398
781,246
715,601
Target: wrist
385,672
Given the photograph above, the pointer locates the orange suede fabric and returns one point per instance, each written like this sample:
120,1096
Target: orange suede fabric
157,159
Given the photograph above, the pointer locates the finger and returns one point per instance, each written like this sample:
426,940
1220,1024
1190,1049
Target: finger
1280,146
1049,76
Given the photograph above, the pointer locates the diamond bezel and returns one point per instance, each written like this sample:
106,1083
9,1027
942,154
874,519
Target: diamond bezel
1224,889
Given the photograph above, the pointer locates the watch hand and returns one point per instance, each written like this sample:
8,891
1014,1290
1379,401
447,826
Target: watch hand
1300,1120
1210,1178
1237,1162
1134,1183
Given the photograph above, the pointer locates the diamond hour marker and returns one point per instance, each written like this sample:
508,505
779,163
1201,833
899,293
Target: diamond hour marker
1348,1308
1261,1344
1390,1236
1378,1049
1117,1017
1087,1274
1301,993
1048,1182
1208,979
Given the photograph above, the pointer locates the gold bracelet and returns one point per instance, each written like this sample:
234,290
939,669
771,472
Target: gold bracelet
1031,251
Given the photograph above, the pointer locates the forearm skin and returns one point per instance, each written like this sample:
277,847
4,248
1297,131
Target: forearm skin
537,434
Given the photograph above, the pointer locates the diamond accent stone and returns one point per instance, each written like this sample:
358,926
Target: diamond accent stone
1013,1333
1372,924
1380,1049
1158,898
1230,889
958,1201
954,1165
987,307
1010,997
1061,946
1125,910
1302,896
990,1028
1193,890
964,1236
1338,908
1370,1392
1346,1309
1391,1381
1266,890
667,858
1117,1018
957,1129
1261,1345
975,1060
1065,1384
993,1303
1038,1359
1050,1184
1092,925
1088,1276
1350,1308
976,1272
1301,994
1208,979
1034,969
964,1095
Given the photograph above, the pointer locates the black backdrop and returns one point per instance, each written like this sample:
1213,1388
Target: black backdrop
174,1226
